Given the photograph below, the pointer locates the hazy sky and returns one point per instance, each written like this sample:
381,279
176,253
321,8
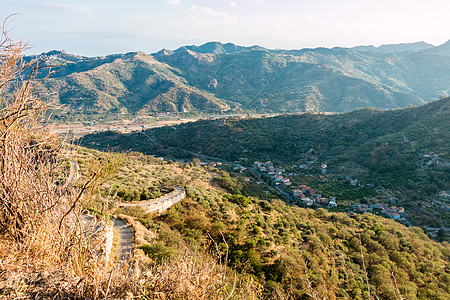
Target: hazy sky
100,27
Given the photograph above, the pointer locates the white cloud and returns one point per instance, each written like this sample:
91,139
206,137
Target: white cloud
173,2
73,8
233,4
210,15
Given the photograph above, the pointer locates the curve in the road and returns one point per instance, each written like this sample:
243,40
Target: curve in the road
124,233
162,203
125,248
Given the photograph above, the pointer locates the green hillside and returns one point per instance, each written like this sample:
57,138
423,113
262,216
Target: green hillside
403,150
289,251
301,253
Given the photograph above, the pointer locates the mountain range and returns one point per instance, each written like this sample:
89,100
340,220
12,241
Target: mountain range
217,78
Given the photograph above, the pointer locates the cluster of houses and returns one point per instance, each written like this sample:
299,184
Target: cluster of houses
434,159
307,166
309,196
303,193
442,200
392,212
278,174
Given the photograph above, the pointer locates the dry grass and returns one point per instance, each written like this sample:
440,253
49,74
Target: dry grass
45,248
194,275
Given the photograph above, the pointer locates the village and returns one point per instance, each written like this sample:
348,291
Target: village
303,194
306,196
393,212
433,160
442,200
309,197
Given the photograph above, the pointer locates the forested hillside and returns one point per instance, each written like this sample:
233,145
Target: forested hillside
288,136
289,251
404,150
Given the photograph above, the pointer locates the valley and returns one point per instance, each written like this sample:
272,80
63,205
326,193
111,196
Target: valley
366,157
226,172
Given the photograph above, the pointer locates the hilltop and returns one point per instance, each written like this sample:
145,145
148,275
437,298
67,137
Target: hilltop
217,78
392,48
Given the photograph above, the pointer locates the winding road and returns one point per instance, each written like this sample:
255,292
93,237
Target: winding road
125,247
124,233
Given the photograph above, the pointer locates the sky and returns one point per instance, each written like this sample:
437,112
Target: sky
102,27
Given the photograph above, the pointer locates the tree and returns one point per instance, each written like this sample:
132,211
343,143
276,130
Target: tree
196,161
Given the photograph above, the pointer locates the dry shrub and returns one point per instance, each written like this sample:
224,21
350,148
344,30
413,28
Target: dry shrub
194,275
46,247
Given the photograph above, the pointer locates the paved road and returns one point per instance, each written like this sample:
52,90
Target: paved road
257,173
162,203
125,235
436,228
73,172
73,175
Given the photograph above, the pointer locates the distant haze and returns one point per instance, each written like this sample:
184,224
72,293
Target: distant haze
103,27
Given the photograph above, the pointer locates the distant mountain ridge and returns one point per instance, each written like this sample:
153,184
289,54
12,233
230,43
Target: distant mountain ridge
443,49
218,48
392,48
217,78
